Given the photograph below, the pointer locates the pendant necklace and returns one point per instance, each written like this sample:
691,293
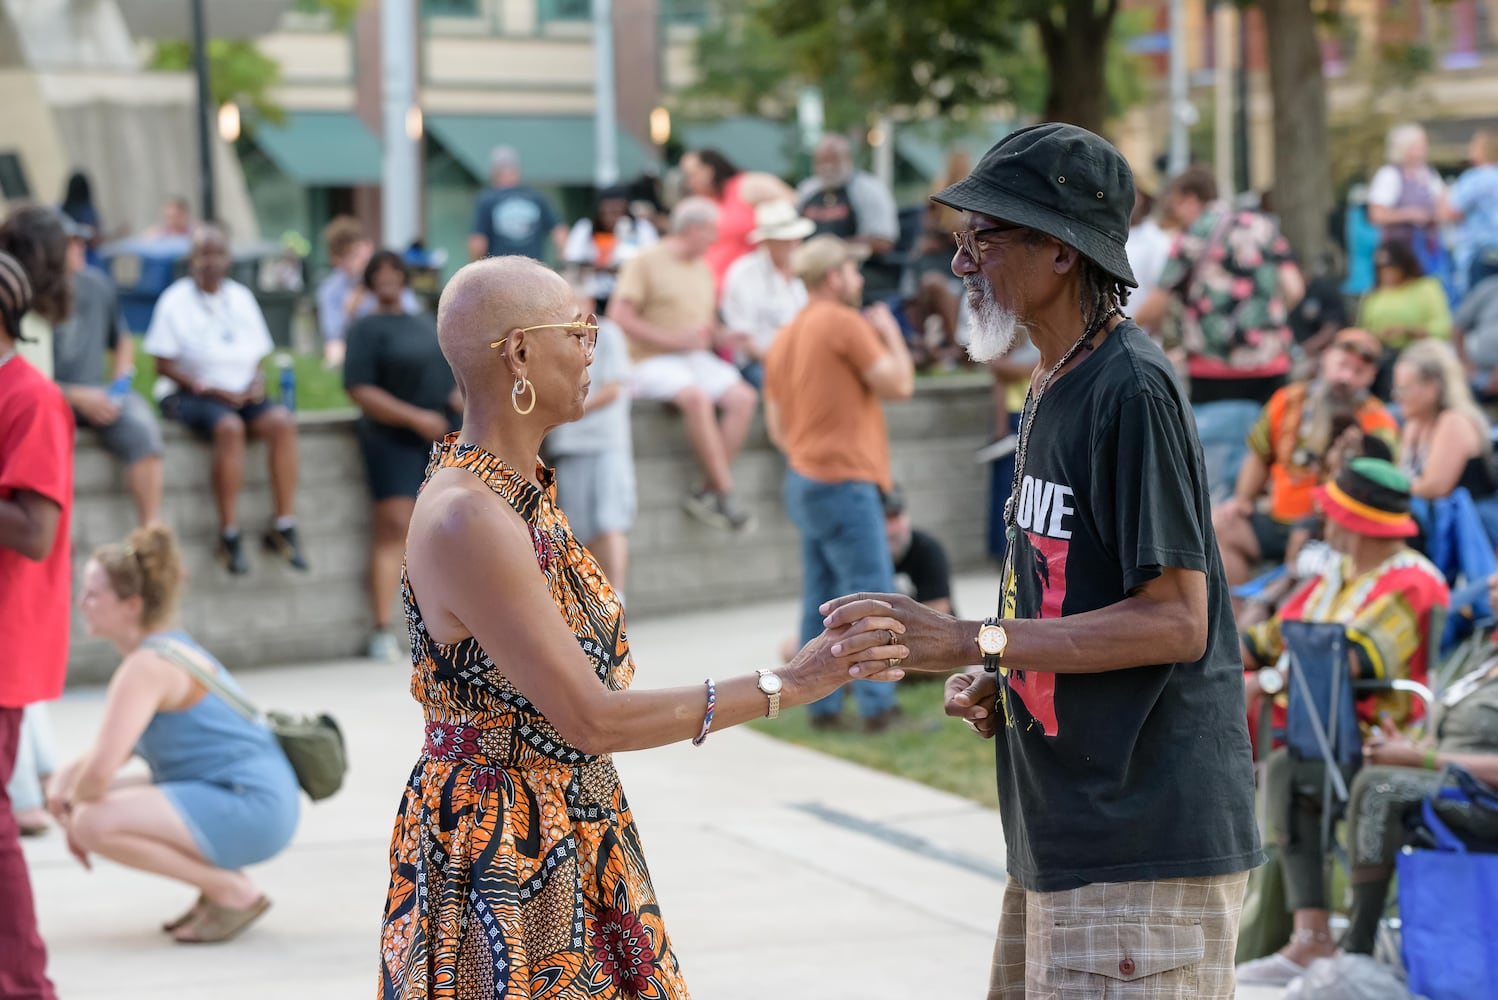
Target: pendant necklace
1027,423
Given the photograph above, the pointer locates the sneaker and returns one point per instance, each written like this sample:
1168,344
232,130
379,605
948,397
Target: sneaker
33,822
382,647
738,519
703,505
283,542
231,553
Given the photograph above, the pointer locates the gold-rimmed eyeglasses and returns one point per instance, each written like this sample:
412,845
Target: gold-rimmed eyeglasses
585,330
972,241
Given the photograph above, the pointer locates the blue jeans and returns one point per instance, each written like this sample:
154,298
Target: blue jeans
754,374
843,551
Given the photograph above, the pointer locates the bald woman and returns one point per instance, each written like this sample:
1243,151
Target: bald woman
516,870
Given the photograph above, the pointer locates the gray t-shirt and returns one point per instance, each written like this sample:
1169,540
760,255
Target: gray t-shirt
1477,318
80,342
606,428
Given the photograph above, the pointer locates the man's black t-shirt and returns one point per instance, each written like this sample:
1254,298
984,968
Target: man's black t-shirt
1128,775
400,354
925,563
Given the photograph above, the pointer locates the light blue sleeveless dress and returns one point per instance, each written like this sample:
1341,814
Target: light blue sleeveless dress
224,774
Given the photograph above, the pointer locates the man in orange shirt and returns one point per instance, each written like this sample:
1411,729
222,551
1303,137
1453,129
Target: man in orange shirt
1288,448
826,374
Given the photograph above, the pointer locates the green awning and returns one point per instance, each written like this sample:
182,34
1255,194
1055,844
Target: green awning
749,143
554,149
322,148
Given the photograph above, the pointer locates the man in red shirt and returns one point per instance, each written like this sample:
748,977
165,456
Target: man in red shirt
36,496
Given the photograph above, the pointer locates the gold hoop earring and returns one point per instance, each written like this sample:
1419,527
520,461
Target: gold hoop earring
522,384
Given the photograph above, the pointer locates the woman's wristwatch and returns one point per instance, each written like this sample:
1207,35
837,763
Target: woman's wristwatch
770,684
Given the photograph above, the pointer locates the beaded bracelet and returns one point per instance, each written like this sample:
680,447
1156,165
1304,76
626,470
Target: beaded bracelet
707,720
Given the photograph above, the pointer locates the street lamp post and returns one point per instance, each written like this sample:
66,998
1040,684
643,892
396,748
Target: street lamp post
208,208
605,119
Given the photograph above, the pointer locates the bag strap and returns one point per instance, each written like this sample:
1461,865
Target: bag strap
197,667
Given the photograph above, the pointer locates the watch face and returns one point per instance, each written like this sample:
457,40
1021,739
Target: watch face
769,683
992,639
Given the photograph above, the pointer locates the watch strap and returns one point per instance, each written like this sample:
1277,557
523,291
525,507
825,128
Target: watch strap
773,696
991,660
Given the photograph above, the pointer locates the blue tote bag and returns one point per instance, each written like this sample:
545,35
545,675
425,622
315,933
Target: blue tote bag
1448,905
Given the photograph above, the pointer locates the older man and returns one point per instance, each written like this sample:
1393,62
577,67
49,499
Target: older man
761,292
665,302
209,338
1289,447
855,206
1110,675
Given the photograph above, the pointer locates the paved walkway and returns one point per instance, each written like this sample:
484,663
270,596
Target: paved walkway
774,865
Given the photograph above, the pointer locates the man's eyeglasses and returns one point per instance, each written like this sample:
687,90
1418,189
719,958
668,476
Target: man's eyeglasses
584,330
1360,351
973,241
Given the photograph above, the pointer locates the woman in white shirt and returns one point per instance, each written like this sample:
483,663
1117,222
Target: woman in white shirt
598,246
208,338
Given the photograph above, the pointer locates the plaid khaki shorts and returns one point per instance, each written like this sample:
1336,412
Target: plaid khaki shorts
1165,940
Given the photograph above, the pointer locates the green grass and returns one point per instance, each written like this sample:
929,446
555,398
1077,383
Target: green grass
317,388
926,746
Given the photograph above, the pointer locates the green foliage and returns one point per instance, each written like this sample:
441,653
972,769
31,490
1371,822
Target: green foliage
238,71
926,746
937,60
317,388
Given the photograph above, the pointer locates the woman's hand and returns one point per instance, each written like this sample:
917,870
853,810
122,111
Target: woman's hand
76,851
970,697
1391,748
819,668
927,634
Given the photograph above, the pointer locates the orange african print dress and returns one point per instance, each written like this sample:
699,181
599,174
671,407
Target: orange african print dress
515,868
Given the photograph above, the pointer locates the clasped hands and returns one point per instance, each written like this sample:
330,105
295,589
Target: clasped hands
929,641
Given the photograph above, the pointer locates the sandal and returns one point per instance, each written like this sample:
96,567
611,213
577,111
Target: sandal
183,918
215,923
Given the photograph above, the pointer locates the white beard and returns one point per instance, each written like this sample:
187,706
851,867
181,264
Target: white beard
993,326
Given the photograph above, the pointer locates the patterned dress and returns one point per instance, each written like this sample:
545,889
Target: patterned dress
515,868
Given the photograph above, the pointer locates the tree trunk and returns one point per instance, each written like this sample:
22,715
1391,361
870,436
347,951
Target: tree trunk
1076,53
1302,158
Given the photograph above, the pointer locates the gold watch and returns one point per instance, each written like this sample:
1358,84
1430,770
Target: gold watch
770,684
992,641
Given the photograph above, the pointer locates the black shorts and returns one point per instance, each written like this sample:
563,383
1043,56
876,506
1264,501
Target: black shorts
201,414
1273,536
394,464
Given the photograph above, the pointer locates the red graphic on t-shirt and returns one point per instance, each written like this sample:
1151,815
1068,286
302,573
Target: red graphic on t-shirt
1047,570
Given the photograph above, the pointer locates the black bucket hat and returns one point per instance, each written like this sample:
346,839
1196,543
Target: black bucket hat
1060,180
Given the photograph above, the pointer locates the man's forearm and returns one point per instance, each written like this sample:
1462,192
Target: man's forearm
1251,478
1135,632
642,331
124,356
22,533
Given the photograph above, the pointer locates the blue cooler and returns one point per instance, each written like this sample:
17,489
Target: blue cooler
141,270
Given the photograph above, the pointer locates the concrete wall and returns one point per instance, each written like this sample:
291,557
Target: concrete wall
276,615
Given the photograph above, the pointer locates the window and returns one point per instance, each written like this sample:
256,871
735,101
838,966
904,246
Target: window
688,12
564,10
449,8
